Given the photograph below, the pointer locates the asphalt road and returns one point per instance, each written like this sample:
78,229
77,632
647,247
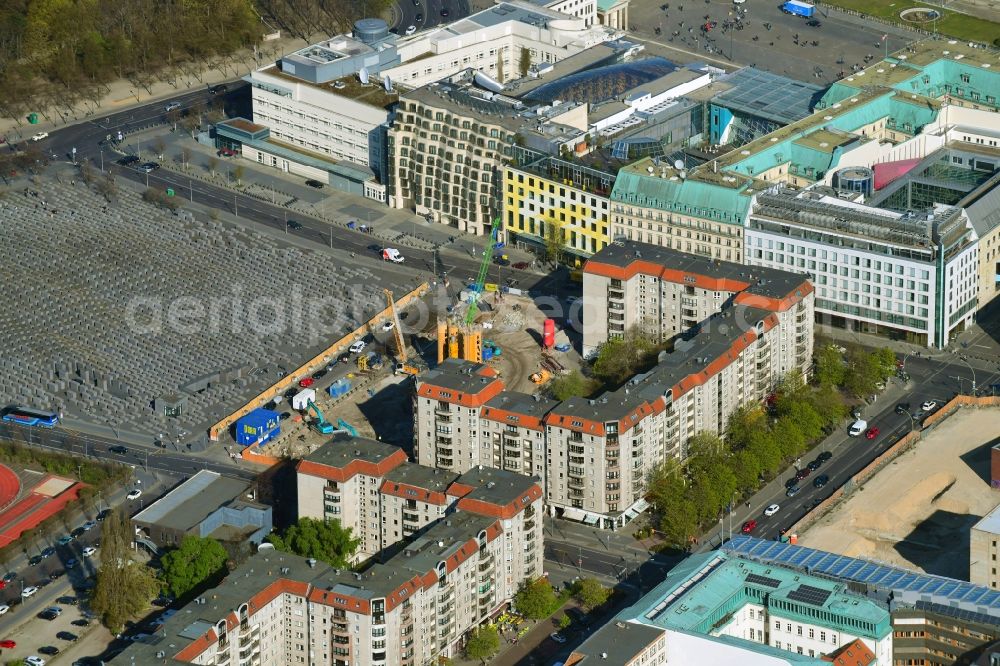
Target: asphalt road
429,11
92,446
939,378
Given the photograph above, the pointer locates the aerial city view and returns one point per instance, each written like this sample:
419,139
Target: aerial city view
500,332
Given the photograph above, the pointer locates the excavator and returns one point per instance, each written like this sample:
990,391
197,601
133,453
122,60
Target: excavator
401,367
320,424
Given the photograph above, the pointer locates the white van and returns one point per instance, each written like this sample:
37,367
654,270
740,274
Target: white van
857,428
393,255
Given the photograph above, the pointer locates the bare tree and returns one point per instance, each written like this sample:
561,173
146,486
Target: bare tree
159,145
213,164
238,172
185,155
174,115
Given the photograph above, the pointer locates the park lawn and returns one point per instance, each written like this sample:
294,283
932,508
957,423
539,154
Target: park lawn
954,24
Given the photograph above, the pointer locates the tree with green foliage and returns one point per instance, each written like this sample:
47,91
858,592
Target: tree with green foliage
618,359
591,594
124,586
195,562
524,64
573,384
830,368
666,489
863,373
534,600
563,621
483,643
325,541
554,240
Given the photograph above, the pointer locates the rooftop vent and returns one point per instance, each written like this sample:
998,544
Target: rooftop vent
311,562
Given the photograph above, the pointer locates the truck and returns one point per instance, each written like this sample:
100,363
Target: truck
798,8
392,254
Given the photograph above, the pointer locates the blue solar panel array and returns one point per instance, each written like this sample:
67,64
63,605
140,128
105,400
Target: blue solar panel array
861,571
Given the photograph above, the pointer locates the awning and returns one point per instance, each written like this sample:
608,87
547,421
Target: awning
591,519
570,513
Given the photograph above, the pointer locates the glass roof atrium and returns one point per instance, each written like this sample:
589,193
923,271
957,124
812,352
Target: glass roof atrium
602,83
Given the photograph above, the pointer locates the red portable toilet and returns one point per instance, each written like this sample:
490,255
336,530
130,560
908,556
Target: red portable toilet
549,334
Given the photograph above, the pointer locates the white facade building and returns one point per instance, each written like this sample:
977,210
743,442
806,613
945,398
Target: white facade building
879,271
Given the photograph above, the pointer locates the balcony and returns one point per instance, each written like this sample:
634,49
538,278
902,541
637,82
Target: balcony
529,524
444,463
577,494
574,482
616,294
442,411
576,450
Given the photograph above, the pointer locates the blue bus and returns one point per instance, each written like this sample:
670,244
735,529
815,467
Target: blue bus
32,417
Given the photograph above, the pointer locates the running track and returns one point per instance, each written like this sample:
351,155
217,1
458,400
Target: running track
9,486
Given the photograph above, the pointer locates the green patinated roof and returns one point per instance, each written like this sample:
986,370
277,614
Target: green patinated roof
723,202
605,5
701,595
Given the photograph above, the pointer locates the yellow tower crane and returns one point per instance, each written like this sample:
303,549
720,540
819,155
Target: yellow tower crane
396,329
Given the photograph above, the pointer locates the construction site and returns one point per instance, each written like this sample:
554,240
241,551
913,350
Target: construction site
370,394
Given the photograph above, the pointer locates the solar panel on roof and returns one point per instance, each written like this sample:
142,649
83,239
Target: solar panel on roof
807,594
757,579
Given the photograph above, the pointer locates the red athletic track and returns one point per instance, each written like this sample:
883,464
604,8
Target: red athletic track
32,510
9,486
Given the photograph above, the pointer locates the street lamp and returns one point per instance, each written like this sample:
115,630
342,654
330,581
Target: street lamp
964,360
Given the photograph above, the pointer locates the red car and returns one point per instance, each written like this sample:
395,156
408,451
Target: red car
749,526
8,644
872,433
227,152
306,382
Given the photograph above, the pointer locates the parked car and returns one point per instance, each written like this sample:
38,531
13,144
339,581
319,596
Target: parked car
791,482
89,525
903,408
34,661
67,636
172,106
357,347
857,428
826,456
50,613
314,183
872,433
82,622
50,650
9,576
771,510
38,136
67,601
28,591
89,551
521,265
218,89
802,473
128,160
8,644
928,406
56,575
134,494
66,539
557,637
48,551
77,532
306,382
4,608
103,514
749,526
227,152
815,464
793,491
821,481
34,560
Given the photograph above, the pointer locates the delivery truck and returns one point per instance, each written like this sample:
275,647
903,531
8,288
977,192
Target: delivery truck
798,8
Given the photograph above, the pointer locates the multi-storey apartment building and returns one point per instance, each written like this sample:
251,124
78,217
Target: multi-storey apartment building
513,429
384,499
446,412
875,270
735,333
666,293
279,609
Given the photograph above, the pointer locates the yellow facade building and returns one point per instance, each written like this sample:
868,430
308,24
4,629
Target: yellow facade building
555,196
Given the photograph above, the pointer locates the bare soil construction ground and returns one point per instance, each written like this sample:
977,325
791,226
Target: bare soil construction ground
917,511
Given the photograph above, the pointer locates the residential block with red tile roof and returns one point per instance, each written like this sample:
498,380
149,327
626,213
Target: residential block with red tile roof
371,487
278,609
736,332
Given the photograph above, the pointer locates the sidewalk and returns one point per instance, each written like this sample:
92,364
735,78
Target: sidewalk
392,226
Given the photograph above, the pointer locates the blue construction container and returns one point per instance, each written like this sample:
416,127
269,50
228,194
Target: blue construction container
487,353
339,388
257,427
